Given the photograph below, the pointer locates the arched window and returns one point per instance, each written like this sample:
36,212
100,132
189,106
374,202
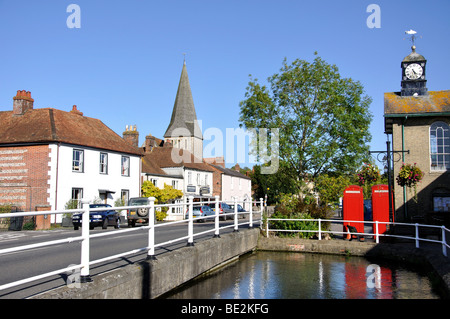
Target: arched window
440,146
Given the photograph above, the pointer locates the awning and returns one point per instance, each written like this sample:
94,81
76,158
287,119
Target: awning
105,191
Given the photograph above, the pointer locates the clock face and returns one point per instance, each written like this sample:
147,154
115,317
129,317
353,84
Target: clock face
413,71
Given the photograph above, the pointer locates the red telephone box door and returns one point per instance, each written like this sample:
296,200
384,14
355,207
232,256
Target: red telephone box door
380,206
353,207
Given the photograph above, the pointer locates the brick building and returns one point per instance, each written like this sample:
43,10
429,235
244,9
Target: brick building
49,156
419,121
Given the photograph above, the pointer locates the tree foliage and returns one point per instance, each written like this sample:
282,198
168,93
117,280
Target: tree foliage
323,119
331,188
162,195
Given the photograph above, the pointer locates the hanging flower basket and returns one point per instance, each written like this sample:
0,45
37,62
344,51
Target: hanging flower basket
368,174
409,176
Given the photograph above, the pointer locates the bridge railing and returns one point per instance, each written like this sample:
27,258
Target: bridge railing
376,234
85,237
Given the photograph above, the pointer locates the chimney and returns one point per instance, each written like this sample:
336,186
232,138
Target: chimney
150,143
75,111
131,135
22,102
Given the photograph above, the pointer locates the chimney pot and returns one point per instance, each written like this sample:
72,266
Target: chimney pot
22,102
76,111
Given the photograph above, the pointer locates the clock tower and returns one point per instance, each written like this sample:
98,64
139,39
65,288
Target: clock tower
413,74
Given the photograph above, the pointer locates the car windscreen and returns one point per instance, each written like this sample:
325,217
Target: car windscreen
139,202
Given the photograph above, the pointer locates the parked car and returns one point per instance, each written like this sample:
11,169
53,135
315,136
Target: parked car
224,209
138,215
102,218
200,211
239,209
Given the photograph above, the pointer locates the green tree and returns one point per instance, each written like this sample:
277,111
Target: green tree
323,119
162,196
331,188
272,185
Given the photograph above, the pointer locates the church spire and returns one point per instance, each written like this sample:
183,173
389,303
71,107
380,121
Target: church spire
183,113
183,126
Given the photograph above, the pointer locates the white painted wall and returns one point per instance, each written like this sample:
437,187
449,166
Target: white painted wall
63,179
233,186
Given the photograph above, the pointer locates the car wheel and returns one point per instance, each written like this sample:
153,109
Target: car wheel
131,223
105,223
76,227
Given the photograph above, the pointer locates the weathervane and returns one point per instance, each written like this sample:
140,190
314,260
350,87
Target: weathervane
413,36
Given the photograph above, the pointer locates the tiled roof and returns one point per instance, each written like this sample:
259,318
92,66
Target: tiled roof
161,157
50,125
183,113
229,171
433,102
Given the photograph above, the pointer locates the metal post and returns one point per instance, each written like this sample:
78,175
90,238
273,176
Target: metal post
216,219
388,159
151,230
417,235
444,247
191,222
377,236
320,230
85,245
262,217
250,216
235,215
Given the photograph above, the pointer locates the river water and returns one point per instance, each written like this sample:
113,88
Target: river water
276,275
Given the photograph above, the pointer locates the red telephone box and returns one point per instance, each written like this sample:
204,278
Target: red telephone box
353,207
380,206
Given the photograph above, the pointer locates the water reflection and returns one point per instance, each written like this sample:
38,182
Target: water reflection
269,275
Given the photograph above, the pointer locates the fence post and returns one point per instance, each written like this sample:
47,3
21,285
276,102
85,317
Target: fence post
262,217
85,245
151,230
235,215
417,235
250,216
444,247
320,230
216,219
191,222
377,237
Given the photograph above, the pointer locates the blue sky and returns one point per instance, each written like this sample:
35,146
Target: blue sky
123,64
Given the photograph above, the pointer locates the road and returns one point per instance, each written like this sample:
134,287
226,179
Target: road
20,265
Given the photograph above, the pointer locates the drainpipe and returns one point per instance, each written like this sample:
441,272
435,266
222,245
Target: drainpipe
403,160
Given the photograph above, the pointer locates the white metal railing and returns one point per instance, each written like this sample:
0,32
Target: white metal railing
376,234
85,237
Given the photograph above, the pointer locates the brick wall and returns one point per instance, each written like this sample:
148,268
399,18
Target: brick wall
24,176
417,141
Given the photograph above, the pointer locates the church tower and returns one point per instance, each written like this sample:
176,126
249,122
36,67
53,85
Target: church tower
184,130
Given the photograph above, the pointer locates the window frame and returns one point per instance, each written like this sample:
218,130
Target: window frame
103,164
125,171
439,146
79,191
80,167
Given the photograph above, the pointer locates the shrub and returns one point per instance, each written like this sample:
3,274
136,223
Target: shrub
294,225
296,207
